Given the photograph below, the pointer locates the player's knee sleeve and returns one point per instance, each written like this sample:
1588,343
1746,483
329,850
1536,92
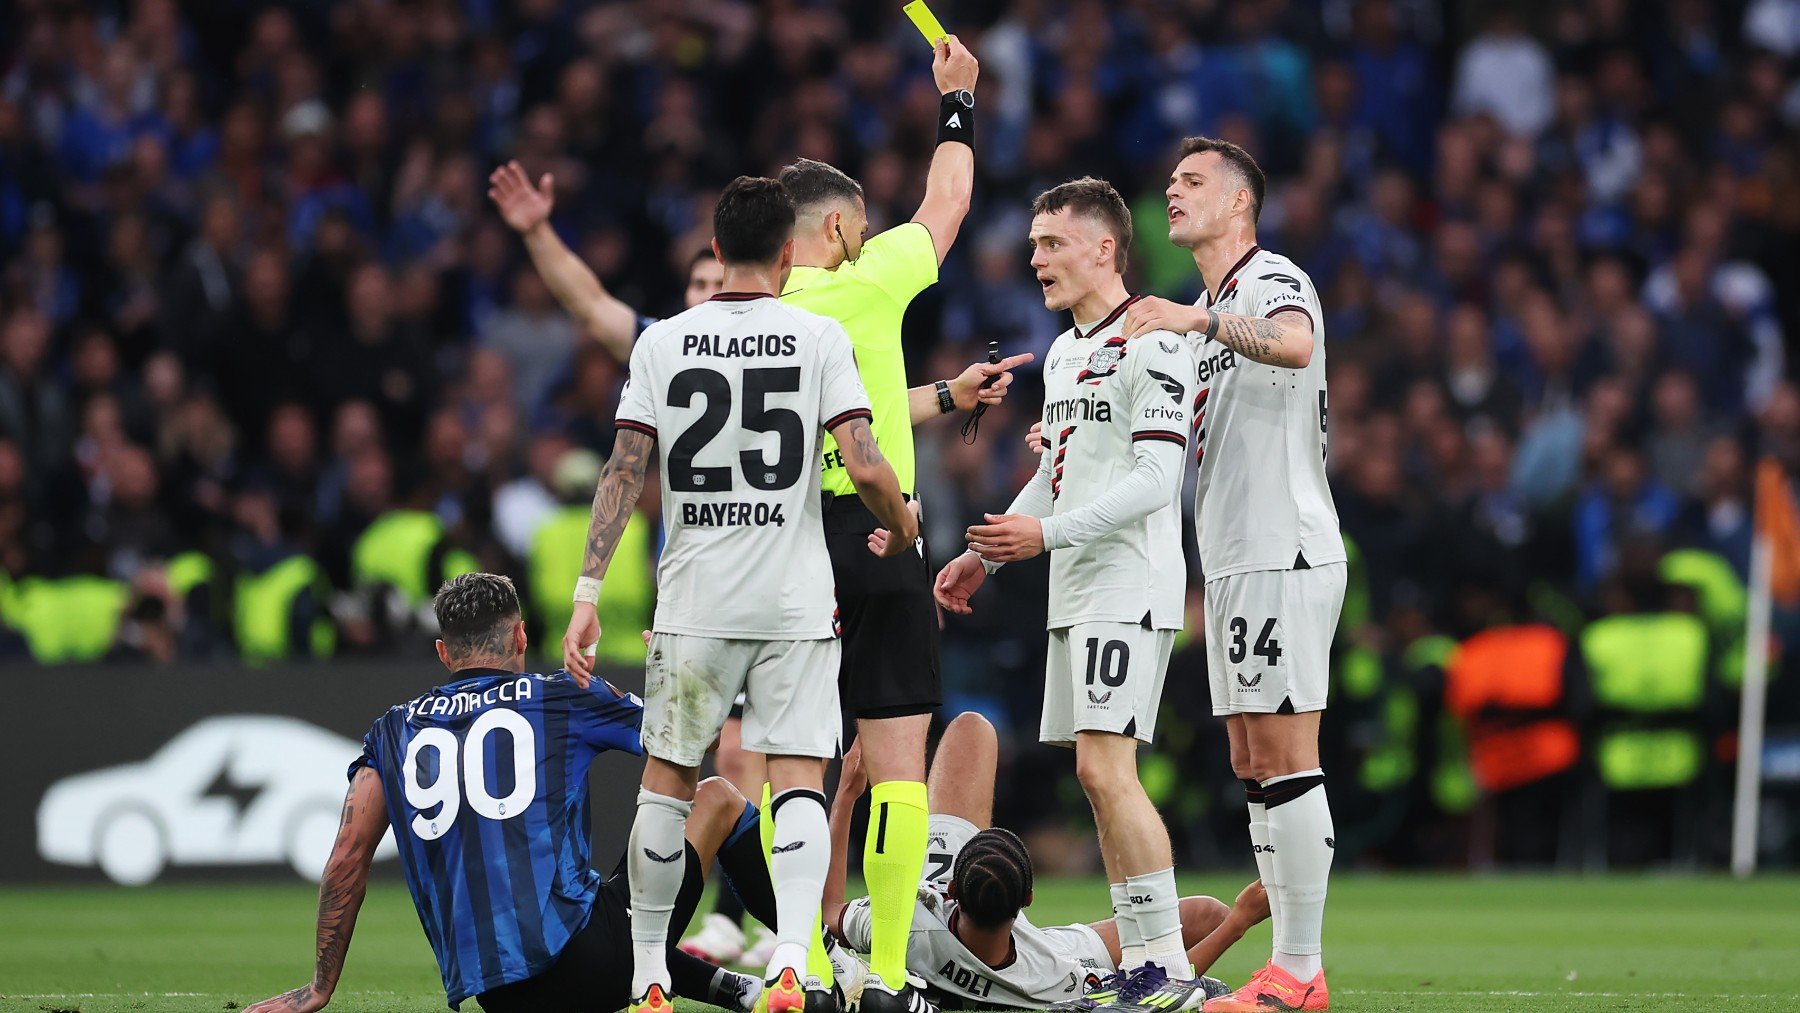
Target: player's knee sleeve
893,860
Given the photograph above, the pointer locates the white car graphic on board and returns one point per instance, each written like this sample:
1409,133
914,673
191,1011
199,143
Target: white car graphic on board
231,790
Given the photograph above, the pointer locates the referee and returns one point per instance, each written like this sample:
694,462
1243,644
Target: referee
889,677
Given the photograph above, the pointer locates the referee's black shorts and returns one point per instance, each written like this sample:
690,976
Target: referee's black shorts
888,618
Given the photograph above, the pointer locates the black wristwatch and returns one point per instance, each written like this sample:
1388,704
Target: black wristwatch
946,403
962,96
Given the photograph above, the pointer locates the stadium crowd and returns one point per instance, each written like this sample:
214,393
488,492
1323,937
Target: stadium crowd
271,366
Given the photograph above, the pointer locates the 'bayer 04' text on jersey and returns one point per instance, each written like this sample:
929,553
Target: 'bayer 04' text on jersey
1050,964
1105,399
737,392
486,785
1263,501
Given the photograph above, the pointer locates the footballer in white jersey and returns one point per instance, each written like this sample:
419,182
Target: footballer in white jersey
1269,544
971,941
738,392
1105,503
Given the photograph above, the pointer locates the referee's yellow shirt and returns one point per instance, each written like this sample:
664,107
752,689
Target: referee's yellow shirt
869,297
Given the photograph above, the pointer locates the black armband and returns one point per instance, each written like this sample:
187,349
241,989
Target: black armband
1212,325
956,117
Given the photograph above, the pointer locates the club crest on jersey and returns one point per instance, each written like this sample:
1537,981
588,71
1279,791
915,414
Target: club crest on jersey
1104,362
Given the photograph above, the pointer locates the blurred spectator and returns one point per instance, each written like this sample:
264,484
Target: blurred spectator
534,336
1506,74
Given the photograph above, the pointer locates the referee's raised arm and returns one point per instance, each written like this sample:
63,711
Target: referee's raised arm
951,181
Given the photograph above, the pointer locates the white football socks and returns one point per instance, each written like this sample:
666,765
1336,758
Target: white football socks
656,863
1301,833
799,858
1259,844
1131,939
1158,910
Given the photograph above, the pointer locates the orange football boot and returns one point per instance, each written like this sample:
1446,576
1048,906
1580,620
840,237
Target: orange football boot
1273,989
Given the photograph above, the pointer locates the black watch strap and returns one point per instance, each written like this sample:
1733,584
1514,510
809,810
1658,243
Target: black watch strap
946,403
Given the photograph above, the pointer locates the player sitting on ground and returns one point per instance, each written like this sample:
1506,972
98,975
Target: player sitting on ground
516,916
970,939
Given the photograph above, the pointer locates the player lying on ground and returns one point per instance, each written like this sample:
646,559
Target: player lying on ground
740,392
515,914
971,941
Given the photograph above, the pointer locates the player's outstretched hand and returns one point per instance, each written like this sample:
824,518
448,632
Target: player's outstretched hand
1034,438
522,206
958,582
304,999
1252,904
1154,314
967,389
1007,538
852,779
584,632
953,66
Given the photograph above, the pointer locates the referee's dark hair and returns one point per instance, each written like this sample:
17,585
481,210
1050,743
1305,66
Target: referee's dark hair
753,220
1239,160
813,183
991,880
1096,199
475,615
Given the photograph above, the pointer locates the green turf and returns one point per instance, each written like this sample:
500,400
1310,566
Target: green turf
1393,943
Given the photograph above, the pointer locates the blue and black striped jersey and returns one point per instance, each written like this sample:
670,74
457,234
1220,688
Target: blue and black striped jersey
486,784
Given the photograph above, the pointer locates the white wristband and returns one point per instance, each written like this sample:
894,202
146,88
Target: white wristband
587,589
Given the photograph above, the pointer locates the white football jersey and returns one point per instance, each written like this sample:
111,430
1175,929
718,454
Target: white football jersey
1263,502
1049,965
1102,395
736,391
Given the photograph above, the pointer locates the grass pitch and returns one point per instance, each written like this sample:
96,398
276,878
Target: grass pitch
1392,943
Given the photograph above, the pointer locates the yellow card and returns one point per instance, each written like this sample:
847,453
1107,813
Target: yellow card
926,22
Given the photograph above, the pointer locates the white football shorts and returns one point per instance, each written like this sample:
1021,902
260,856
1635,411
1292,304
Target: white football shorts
1268,638
789,687
1104,677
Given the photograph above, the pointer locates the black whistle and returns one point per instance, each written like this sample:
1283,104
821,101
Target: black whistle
973,425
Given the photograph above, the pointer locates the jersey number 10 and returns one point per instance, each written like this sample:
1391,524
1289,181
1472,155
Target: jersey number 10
445,793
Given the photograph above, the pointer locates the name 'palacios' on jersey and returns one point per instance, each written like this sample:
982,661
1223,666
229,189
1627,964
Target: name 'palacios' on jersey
737,346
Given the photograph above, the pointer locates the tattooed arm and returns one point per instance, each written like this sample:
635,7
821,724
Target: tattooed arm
340,894
877,485
1285,339
614,500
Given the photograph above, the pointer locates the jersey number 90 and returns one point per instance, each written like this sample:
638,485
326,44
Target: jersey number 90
446,794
